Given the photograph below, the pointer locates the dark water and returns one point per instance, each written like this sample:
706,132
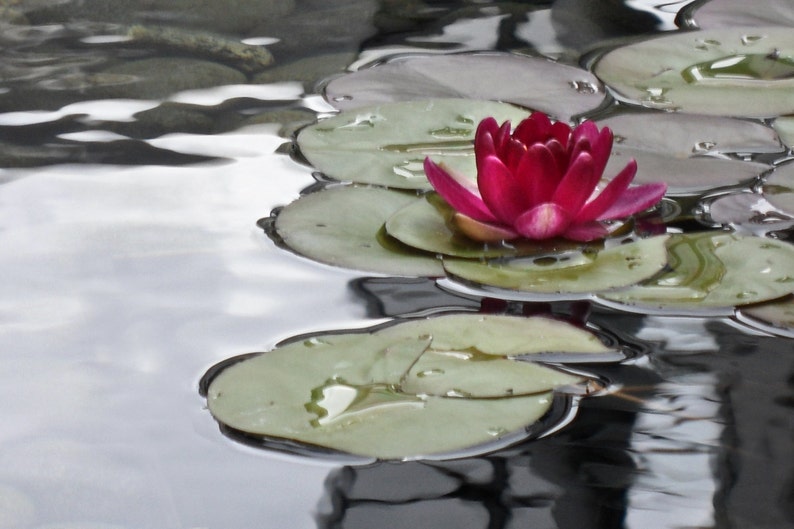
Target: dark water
134,164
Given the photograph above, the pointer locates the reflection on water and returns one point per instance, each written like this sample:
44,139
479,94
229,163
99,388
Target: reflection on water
132,173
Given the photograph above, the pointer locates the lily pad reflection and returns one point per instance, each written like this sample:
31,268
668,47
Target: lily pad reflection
431,388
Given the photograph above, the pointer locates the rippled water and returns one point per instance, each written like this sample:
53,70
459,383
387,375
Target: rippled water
132,174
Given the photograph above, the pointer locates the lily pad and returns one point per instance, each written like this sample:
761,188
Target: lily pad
747,212
343,226
721,13
580,272
715,270
730,72
778,188
425,224
556,89
688,151
387,144
785,129
776,317
382,395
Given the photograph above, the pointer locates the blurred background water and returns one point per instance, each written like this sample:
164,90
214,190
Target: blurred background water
139,144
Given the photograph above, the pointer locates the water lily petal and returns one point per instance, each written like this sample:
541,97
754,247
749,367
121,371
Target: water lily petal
482,231
544,221
561,132
609,195
515,153
499,189
537,175
457,191
586,130
535,129
634,200
502,140
560,153
586,232
601,149
577,185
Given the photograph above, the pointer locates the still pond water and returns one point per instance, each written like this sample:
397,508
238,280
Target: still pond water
132,262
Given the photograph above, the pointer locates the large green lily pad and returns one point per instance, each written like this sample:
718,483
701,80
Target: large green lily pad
343,226
576,271
773,316
689,151
425,388
730,72
387,144
556,89
715,270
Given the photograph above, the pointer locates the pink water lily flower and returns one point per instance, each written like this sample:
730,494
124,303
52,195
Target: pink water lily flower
540,182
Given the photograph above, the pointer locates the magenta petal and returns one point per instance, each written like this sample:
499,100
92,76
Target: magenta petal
482,231
577,185
450,185
499,190
561,132
544,221
538,176
609,195
586,232
586,130
534,129
634,200
601,149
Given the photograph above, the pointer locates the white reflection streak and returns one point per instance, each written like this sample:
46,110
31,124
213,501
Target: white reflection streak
119,110
220,94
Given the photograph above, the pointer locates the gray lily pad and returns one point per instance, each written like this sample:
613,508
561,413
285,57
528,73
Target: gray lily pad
722,13
381,394
747,212
426,224
715,270
559,90
689,151
729,72
778,188
785,129
387,144
581,272
776,317
343,226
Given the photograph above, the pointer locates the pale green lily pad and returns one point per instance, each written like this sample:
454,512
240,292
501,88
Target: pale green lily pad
371,395
426,224
785,129
688,151
556,89
343,226
778,188
715,270
574,272
773,316
730,72
387,144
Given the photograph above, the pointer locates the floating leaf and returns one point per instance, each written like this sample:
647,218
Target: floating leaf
574,271
560,90
722,13
425,224
343,226
377,395
689,151
387,144
729,72
785,129
715,270
776,317
778,188
747,211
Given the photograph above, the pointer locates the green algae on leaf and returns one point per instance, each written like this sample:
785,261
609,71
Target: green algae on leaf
730,72
568,272
425,388
343,226
557,89
714,270
386,144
